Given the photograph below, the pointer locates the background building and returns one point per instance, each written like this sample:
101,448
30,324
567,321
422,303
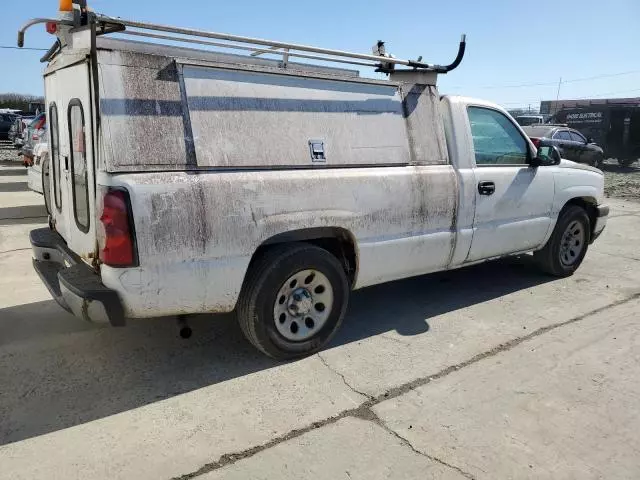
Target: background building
550,107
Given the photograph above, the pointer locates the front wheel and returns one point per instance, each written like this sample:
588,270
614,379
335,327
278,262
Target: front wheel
293,300
565,250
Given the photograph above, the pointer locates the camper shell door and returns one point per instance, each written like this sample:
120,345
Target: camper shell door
69,97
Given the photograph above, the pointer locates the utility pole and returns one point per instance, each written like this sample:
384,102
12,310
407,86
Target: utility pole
558,96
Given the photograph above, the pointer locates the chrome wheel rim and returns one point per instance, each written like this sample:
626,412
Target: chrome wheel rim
303,305
572,244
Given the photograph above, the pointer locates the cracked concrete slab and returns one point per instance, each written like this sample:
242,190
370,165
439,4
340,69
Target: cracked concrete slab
616,241
180,434
15,237
18,280
350,448
450,337
77,401
562,405
443,319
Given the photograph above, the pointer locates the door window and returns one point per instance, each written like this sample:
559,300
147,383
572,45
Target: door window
78,149
562,135
576,137
496,140
55,158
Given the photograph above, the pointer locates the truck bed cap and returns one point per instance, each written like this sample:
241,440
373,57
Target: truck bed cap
149,48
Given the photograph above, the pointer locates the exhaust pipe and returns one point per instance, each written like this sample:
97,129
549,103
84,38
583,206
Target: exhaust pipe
461,48
183,327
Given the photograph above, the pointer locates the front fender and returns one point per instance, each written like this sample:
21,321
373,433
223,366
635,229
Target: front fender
581,182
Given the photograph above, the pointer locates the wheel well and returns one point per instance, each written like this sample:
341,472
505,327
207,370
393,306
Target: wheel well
589,206
337,241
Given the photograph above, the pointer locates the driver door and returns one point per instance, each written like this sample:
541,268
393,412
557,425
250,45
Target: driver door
513,200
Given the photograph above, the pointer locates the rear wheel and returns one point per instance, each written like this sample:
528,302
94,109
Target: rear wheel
565,250
293,300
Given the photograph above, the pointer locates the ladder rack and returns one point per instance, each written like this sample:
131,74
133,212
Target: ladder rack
257,46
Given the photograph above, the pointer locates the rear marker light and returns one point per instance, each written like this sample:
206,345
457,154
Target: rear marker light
115,240
66,6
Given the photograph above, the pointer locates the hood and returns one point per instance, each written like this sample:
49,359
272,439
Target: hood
579,166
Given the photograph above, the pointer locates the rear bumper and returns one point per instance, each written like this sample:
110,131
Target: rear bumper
602,213
71,282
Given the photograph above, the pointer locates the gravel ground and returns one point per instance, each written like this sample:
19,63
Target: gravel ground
620,182
8,154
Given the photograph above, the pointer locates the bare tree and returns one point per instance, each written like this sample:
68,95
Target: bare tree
19,101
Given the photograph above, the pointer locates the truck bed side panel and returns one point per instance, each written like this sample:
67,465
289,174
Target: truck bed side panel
196,232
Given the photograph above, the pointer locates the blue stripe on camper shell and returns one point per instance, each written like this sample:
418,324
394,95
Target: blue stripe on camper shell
170,108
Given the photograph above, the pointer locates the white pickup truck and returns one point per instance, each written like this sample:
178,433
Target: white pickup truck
187,181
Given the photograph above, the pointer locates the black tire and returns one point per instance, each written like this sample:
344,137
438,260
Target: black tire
552,259
598,162
626,162
260,290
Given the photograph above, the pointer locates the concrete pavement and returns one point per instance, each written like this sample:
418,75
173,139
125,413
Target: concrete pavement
476,373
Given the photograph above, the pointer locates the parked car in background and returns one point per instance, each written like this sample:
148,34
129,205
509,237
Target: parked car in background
6,120
32,135
34,172
615,127
16,132
525,120
572,144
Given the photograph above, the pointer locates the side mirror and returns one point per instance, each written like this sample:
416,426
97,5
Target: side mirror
546,156
590,140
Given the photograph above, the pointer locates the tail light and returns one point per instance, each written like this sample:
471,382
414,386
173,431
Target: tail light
115,231
536,142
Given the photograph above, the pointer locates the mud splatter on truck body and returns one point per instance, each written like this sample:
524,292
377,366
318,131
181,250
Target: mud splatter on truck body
217,152
197,181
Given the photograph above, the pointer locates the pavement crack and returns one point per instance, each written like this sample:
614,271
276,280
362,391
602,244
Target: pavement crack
231,458
391,338
364,411
503,347
635,214
15,250
378,421
344,380
618,256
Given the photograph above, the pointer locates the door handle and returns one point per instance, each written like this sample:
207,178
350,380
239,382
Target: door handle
66,162
486,188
